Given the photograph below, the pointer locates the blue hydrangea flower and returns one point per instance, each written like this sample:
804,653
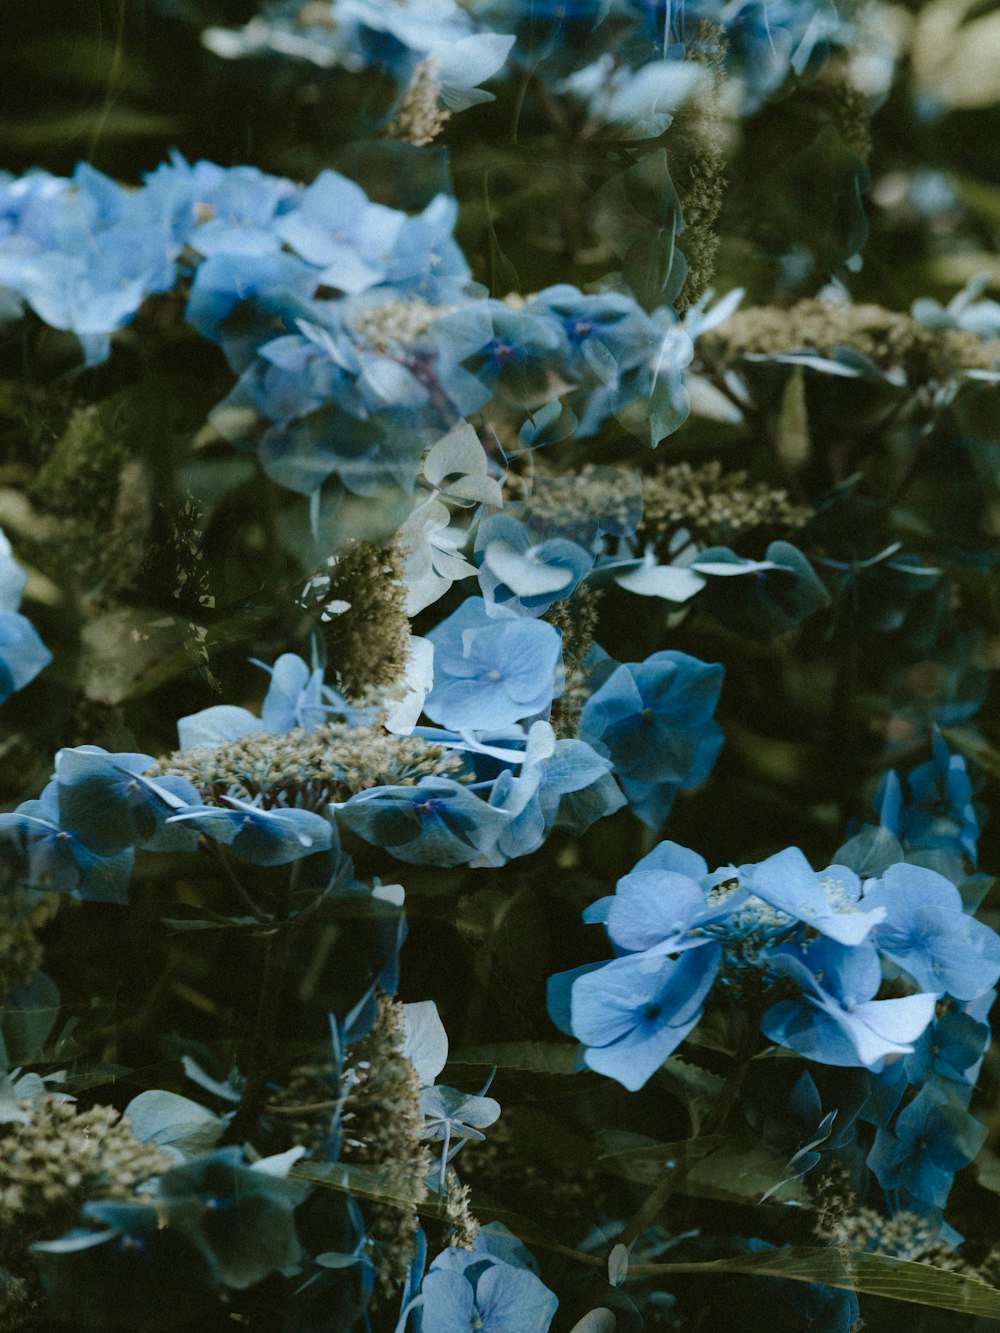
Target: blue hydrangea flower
357,34
437,822
241,300
105,800
951,1049
90,254
244,1224
261,837
221,210
606,336
534,796
835,1019
491,1287
490,672
662,906
521,575
22,653
47,857
338,230
927,933
931,1139
939,816
653,719
964,310
633,1012
829,902
514,358
296,697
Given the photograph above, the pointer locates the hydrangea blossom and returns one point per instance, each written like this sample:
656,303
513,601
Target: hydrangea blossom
931,1139
22,653
106,800
296,697
927,933
653,720
492,1287
435,822
633,1012
48,858
490,672
766,930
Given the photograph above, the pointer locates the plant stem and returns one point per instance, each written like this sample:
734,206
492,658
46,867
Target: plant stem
653,1205
262,1038
235,883
258,1065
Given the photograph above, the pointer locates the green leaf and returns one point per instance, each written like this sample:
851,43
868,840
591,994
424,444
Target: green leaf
27,1017
380,1184
972,746
792,432
699,1089
110,123
743,1173
852,1270
534,1057
988,1171
646,1162
849,1270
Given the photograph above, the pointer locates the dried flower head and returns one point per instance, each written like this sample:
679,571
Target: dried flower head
715,506
58,1159
420,117
310,769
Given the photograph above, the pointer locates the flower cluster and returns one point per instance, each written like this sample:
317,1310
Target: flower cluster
443,47
813,951
377,410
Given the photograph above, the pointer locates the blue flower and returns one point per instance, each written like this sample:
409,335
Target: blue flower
661,906
835,1020
939,816
338,230
653,719
241,300
931,1140
105,800
22,653
244,1223
606,336
91,252
633,1012
491,672
552,771
520,575
221,210
296,697
490,1287
47,857
951,1049
829,901
261,837
927,933
514,358
760,597
437,822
